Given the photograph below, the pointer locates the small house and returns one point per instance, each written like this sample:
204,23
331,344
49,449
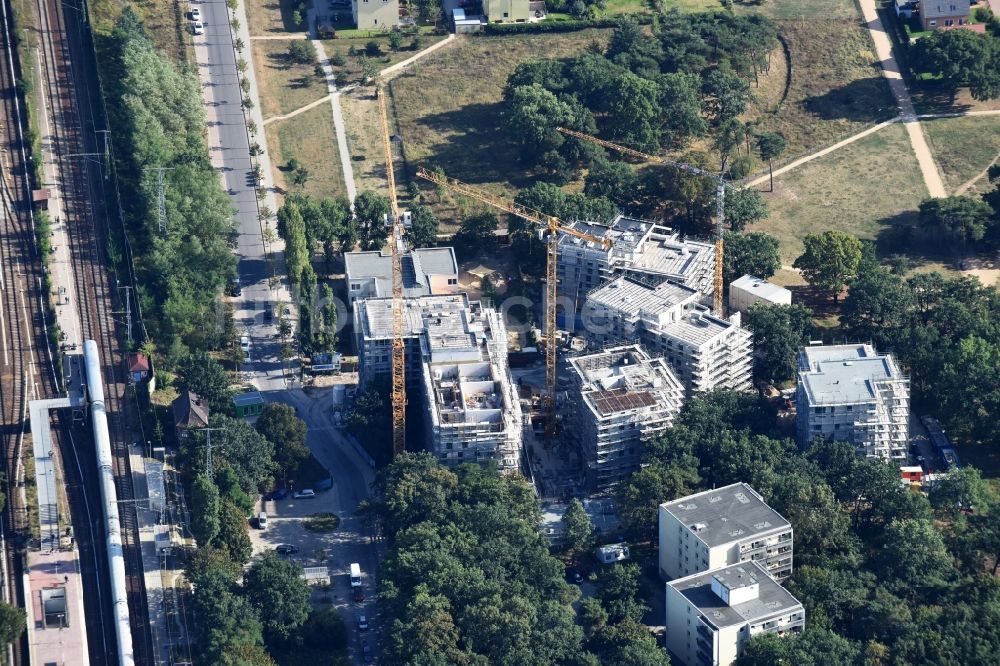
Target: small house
190,413
138,367
944,14
911,475
248,405
615,552
748,290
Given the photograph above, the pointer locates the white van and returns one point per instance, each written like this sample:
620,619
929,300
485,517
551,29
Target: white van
262,520
355,575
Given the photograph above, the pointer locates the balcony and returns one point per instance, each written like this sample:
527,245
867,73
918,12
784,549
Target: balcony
705,646
706,633
705,659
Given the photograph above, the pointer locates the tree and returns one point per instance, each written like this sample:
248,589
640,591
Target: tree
744,206
628,643
830,259
204,376
659,481
274,587
428,11
961,488
229,489
634,112
878,302
618,590
370,421
325,629
727,95
280,425
956,59
476,233
814,647
233,538
370,211
424,227
779,331
578,535
238,446
12,623
616,181
755,253
395,40
205,507
302,52
770,146
300,176
915,555
680,108
955,221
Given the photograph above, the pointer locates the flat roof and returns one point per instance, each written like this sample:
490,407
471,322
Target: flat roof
772,599
417,266
760,287
724,515
248,398
633,295
843,374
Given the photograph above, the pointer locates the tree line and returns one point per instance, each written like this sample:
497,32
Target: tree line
159,123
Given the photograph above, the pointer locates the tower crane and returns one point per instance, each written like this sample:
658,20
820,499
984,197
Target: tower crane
720,199
398,314
553,226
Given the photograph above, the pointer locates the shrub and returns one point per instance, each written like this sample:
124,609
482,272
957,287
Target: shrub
302,51
373,49
338,59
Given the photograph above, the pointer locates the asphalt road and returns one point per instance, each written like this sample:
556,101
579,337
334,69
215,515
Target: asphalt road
229,147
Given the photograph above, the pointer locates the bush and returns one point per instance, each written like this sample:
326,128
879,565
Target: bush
338,59
373,49
321,522
302,52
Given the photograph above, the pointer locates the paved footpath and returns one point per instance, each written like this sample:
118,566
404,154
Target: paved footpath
890,68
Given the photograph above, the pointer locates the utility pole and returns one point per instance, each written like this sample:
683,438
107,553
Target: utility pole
209,469
161,199
107,153
128,314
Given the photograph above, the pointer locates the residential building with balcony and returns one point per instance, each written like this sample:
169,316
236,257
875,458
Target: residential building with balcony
622,398
853,393
722,527
705,352
710,616
456,361
634,244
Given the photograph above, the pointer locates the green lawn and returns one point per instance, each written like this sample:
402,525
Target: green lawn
863,189
284,85
386,57
310,138
963,147
837,88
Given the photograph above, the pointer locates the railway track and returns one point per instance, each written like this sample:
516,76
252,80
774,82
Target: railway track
79,163
24,373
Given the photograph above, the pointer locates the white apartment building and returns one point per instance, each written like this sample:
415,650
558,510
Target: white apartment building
710,616
721,527
456,360
704,351
426,271
621,397
375,14
635,244
852,393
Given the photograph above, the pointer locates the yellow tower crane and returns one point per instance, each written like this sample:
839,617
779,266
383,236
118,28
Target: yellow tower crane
553,226
720,199
398,312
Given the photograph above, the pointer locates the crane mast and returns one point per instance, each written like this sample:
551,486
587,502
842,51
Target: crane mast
553,227
720,199
398,313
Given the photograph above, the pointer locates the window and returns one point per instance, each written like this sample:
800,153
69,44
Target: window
932,23
820,410
949,22
452,280
355,287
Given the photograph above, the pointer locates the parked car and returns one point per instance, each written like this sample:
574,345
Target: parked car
286,549
574,576
362,623
305,493
262,520
195,14
279,494
198,28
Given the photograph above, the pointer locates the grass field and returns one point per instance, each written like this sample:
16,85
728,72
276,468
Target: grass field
862,189
270,16
309,138
364,139
352,66
448,108
283,84
964,147
837,88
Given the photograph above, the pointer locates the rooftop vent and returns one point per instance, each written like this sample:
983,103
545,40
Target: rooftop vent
715,498
698,527
741,498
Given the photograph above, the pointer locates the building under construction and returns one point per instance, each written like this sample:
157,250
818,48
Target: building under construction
852,393
637,245
456,359
622,398
704,351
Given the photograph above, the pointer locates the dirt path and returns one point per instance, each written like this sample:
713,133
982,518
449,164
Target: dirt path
301,109
890,69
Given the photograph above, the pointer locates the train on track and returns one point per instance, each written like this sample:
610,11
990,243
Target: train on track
109,497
